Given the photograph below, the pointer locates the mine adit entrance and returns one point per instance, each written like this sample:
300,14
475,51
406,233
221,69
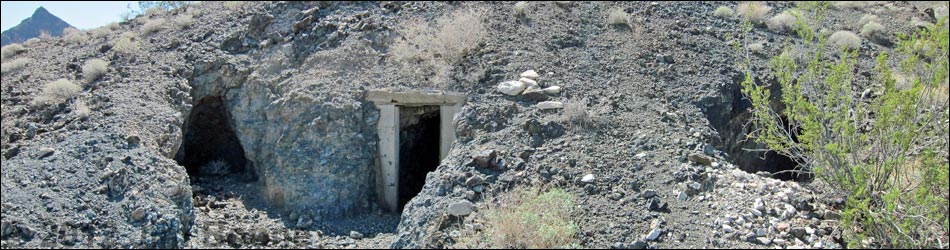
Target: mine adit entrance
209,147
418,149
730,114
415,133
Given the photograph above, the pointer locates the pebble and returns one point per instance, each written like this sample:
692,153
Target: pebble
550,105
530,74
138,214
511,87
648,193
46,151
552,90
528,83
461,208
589,178
356,235
782,226
655,233
474,181
727,229
764,240
682,196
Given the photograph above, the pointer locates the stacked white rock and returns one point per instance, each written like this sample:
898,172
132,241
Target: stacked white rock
528,84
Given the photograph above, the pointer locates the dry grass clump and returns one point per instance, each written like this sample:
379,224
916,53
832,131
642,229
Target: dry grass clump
153,25
846,39
784,22
81,109
56,92
723,12
849,4
14,65
618,17
93,69
757,48
753,11
874,31
126,44
184,21
576,113
73,35
11,50
433,50
530,218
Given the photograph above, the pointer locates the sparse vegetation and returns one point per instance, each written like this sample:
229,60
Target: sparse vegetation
618,17
520,8
31,41
723,12
784,22
10,50
432,51
530,218
873,31
73,35
866,19
126,44
80,109
14,65
887,153
756,48
753,11
576,113
153,25
56,92
184,21
93,69
846,39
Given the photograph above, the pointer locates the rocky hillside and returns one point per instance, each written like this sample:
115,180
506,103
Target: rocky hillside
33,26
246,125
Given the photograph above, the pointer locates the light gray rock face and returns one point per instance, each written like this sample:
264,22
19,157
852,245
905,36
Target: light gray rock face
314,152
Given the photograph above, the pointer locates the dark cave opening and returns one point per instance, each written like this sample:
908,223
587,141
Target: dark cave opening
418,149
209,145
730,114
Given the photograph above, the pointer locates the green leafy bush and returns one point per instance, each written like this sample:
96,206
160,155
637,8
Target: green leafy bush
887,152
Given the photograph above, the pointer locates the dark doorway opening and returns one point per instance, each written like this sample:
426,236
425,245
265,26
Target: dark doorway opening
209,146
418,149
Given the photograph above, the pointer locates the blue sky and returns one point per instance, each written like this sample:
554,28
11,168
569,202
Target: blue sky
82,15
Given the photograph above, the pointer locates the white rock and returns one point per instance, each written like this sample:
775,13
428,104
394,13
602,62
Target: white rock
682,196
530,74
552,90
550,105
511,87
588,178
528,82
757,213
727,229
461,208
655,233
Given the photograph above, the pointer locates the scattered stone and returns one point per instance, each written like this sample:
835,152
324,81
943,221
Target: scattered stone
635,186
461,208
552,90
531,74
356,235
781,227
779,241
6,229
760,232
693,188
757,213
470,195
138,214
589,178
617,245
550,105
25,231
831,215
727,229
474,181
534,94
528,82
649,193
764,240
682,196
709,150
701,159
46,151
511,87
758,204
261,236
798,232
655,233
484,158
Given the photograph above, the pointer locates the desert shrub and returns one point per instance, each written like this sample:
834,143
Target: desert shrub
530,218
81,109
753,11
576,113
888,154
44,35
756,48
846,39
126,44
867,18
849,4
15,64
783,22
93,69
234,5
433,50
520,8
873,31
31,41
101,32
56,92
723,11
618,17
184,21
153,25
10,50
72,35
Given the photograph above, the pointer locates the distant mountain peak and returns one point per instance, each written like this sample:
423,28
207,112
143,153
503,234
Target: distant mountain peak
33,26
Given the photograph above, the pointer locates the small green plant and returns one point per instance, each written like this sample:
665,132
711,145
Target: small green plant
618,17
16,64
887,153
531,218
93,69
723,12
56,92
11,50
